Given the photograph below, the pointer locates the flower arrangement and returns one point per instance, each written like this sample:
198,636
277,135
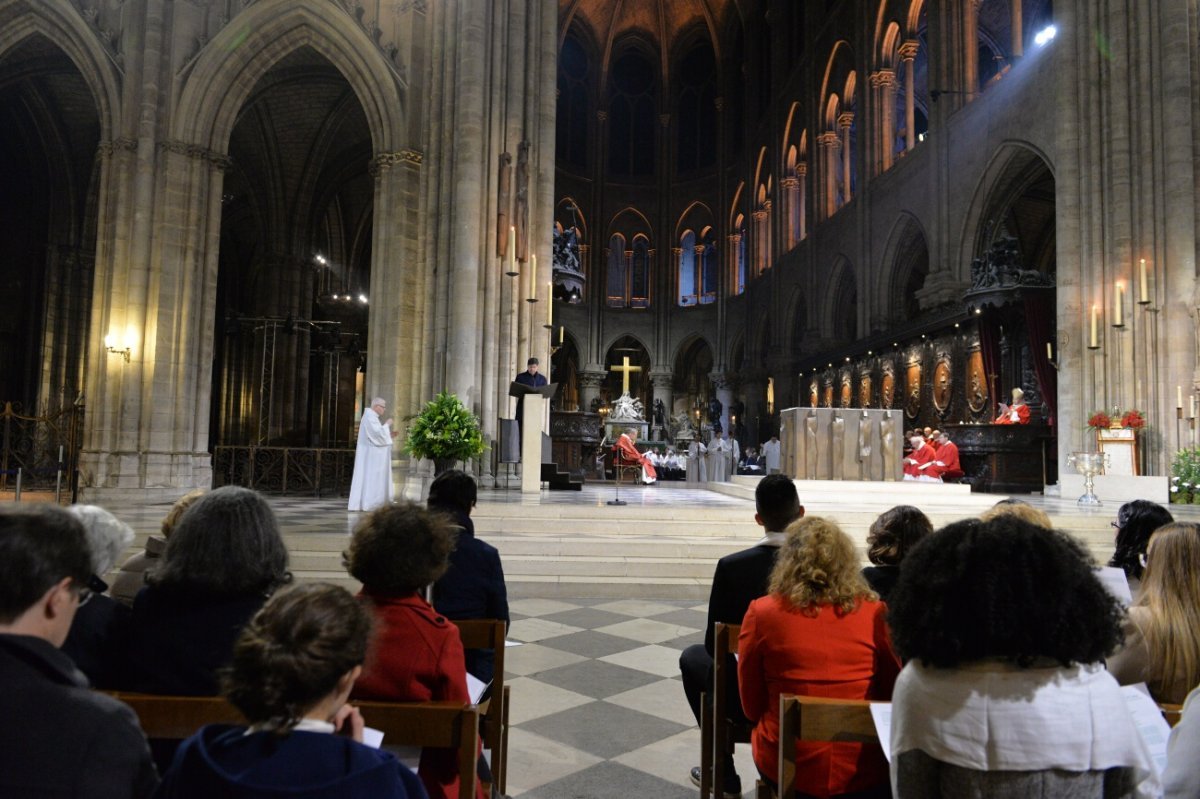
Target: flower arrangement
1185,476
445,432
1099,421
1132,418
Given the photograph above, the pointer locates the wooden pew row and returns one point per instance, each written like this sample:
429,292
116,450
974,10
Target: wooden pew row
446,725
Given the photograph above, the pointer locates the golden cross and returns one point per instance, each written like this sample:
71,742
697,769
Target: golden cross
625,369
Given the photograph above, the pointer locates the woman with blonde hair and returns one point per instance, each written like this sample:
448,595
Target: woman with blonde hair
1162,630
820,631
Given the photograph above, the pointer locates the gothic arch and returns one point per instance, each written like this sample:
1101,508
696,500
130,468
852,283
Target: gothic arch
697,216
564,215
906,262
688,343
841,302
795,317
59,22
1012,168
640,225
229,67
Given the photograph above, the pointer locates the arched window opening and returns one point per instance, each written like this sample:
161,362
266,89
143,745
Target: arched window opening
617,272
709,271
632,116
697,129
572,124
687,269
639,274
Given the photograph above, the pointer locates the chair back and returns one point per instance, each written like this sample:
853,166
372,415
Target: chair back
446,725
490,634
819,719
725,732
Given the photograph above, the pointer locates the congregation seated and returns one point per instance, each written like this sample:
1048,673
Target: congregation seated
751,464
739,579
1136,522
820,631
417,655
1004,628
892,535
59,739
97,639
132,575
473,586
292,671
222,562
1162,628
1020,509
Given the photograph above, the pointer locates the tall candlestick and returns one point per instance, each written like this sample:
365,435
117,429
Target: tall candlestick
1179,397
1094,341
562,331
550,306
512,251
1119,305
533,277
1143,285
1049,352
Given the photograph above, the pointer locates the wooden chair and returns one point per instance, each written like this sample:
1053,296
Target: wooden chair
622,465
446,725
724,732
812,718
493,721
1171,713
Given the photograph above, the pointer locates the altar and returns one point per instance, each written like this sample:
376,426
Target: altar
842,444
1006,458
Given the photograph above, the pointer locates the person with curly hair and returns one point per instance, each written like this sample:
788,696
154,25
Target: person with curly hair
1162,630
131,577
223,560
1004,628
892,535
395,552
293,668
820,631
1136,522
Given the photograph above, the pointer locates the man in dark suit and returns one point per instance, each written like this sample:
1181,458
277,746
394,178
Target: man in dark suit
740,579
58,738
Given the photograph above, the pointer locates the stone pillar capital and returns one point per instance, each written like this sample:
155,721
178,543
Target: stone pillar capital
790,183
801,169
601,117
829,139
760,214
908,50
662,379
721,381
845,119
883,79
590,379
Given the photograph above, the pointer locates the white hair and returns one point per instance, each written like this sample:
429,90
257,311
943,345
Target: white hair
378,401
107,536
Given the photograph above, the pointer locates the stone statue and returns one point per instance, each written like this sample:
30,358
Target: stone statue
627,409
810,446
568,265
504,205
521,211
714,413
837,434
660,413
864,446
889,446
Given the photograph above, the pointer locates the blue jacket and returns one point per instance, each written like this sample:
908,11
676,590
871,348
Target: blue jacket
223,761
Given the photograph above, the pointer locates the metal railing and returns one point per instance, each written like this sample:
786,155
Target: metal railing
284,470
41,452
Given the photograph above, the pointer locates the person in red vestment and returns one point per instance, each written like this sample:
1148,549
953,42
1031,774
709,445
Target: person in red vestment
945,463
1017,413
921,455
417,655
820,631
629,453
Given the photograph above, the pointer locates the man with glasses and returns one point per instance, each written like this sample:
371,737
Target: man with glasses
59,738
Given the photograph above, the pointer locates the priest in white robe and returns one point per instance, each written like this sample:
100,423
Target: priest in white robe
718,458
371,485
771,455
697,470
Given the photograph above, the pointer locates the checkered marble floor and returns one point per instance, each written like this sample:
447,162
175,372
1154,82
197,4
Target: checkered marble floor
597,704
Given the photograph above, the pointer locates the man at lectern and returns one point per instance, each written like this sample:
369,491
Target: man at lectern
531,378
1017,413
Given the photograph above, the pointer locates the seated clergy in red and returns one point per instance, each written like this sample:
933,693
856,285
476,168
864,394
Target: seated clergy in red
629,454
945,463
921,455
1017,413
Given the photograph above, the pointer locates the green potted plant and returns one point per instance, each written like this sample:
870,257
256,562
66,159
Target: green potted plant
1185,476
445,432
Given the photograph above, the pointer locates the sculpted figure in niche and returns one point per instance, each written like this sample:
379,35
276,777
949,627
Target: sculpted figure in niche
504,205
941,386
888,447
810,446
837,434
521,212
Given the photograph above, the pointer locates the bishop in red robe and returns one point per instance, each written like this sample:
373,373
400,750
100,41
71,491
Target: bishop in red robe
628,453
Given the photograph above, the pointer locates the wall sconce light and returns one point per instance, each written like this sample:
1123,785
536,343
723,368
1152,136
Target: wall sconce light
110,345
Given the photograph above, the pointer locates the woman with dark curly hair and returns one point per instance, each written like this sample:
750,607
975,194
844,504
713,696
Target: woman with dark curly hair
223,560
890,538
820,631
292,670
1004,628
1136,522
395,552
1162,630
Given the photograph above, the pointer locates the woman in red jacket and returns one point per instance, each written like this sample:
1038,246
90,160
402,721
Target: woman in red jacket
820,631
417,655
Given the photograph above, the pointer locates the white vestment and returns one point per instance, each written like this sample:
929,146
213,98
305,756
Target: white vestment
697,471
718,460
371,485
771,454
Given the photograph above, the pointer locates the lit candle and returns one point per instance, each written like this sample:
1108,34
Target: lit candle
1119,305
532,277
1179,397
1049,352
1143,284
1094,341
550,305
562,331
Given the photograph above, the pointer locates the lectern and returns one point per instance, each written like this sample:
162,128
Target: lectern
534,411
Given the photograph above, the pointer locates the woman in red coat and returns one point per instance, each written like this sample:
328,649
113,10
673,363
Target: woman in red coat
417,655
820,631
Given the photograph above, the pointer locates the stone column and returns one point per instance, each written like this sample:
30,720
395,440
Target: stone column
802,195
699,264
664,388
768,239
883,83
723,388
735,242
791,191
829,144
908,56
589,388
754,387
760,241
845,120
1018,29
677,254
